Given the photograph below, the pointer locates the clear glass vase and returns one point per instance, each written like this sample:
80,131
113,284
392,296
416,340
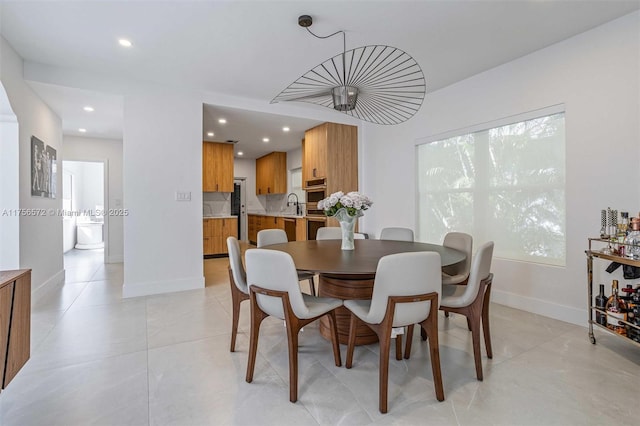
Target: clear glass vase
347,226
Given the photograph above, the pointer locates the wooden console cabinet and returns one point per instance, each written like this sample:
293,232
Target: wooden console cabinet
15,322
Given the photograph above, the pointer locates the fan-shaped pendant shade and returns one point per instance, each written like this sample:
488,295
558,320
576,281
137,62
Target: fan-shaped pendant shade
379,84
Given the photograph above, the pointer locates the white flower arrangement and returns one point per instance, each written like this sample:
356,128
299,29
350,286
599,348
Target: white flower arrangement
353,203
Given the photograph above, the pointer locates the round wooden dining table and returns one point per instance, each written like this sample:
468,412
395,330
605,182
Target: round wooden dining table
350,274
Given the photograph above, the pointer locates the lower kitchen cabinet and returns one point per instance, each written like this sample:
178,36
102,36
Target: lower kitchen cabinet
257,223
215,233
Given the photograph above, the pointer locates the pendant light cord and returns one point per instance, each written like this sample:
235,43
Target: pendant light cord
344,52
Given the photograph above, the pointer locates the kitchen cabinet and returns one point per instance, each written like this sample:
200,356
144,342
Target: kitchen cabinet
257,223
217,167
301,229
215,233
15,323
271,174
330,157
329,164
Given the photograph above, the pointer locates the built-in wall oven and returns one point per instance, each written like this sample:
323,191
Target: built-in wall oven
313,224
316,190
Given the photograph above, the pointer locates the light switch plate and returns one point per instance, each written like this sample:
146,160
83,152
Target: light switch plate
183,195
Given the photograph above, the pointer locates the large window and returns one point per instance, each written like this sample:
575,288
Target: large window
504,183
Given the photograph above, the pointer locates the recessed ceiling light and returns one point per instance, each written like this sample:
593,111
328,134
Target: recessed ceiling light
285,129
222,121
88,108
210,134
124,42
265,139
81,130
240,153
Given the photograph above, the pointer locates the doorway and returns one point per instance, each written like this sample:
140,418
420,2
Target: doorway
238,206
85,221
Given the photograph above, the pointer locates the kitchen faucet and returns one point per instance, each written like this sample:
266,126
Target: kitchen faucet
296,203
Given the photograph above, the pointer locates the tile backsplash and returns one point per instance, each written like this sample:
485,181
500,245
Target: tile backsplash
216,203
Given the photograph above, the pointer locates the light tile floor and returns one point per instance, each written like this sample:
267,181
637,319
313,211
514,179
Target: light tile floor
98,359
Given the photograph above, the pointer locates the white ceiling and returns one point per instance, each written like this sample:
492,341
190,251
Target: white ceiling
254,49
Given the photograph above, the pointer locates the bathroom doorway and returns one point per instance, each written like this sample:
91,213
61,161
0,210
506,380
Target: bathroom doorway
85,219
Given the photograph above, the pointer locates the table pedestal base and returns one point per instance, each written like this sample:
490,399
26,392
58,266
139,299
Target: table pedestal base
346,287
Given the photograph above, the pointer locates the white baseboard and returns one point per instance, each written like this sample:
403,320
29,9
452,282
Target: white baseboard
541,307
159,287
55,280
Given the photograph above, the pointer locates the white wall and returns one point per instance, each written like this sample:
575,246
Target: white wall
109,151
40,237
162,152
9,190
596,76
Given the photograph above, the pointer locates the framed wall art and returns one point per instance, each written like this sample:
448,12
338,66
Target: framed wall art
43,169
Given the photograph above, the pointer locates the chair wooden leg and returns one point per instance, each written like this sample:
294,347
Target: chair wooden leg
385,343
473,319
446,314
430,326
257,316
407,345
235,317
334,338
352,340
236,299
423,334
292,332
485,322
399,347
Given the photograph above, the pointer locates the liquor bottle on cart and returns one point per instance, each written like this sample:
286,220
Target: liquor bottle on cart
601,303
616,311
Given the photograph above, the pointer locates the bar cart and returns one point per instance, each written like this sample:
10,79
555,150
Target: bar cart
601,248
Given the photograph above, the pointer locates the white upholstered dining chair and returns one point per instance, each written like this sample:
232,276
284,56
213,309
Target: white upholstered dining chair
274,291
405,292
267,237
396,234
458,273
474,303
238,283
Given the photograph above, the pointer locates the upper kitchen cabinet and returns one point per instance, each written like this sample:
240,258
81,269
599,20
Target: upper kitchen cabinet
271,174
330,157
217,167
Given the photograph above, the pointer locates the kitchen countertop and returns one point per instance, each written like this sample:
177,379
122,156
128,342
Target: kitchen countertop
290,215
220,217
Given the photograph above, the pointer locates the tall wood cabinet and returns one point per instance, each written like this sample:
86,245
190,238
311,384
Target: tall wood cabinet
217,167
330,160
271,174
330,153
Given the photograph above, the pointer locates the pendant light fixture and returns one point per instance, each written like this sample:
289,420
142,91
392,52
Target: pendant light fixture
379,84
